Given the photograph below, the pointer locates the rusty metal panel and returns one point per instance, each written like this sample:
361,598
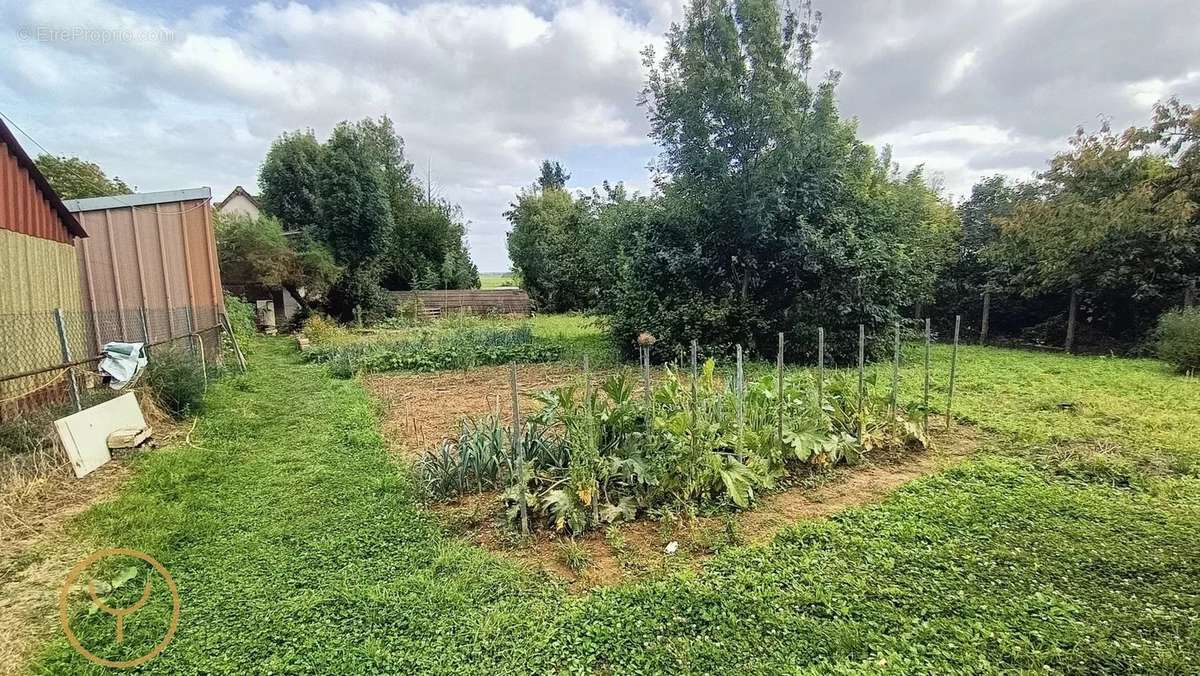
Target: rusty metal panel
142,252
25,209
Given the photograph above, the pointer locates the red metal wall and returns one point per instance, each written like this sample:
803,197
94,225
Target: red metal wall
23,208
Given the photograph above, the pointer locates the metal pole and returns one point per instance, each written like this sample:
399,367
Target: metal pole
61,323
518,450
779,368
646,383
925,401
739,395
695,371
145,331
1071,311
862,351
820,368
895,369
983,322
953,365
191,323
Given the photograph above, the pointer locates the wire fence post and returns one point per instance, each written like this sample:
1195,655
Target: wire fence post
1189,295
1069,345
191,326
925,401
518,450
820,368
862,351
953,367
895,369
739,396
779,369
646,384
145,331
983,321
60,323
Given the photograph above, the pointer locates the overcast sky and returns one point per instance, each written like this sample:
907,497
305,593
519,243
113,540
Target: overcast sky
178,94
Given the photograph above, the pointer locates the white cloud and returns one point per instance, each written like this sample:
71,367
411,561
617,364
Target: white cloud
482,92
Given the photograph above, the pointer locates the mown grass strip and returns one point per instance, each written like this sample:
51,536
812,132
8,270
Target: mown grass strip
298,546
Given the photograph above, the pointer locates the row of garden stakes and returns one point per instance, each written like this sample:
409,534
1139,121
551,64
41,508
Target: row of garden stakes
740,389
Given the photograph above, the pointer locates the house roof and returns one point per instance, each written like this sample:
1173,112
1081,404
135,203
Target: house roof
23,160
138,199
238,190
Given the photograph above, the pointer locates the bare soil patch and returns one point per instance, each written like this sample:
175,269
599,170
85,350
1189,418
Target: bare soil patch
422,409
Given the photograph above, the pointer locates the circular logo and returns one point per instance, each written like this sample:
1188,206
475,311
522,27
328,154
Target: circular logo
119,613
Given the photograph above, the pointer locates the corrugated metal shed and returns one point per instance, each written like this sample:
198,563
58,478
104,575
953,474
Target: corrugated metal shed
28,204
150,250
38,274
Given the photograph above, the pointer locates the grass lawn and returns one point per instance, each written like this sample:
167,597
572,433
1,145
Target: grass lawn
495,280
1068,545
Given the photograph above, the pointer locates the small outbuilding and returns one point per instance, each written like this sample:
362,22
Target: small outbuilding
38,273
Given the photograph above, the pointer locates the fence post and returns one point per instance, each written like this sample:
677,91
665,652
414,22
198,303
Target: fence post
953,367
191,325
518,451
739,394
60,323
1189,295
895,370
820,368
1071,311
983,322
779,369
862,350
925,404
646,384
145,331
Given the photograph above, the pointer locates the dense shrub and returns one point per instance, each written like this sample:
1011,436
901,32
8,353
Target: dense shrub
1179,340
176,379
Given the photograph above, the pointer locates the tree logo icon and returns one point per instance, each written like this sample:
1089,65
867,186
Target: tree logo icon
120,612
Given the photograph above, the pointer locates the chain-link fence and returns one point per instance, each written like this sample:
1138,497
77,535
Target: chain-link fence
48,358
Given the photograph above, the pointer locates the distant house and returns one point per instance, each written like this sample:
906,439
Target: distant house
240,203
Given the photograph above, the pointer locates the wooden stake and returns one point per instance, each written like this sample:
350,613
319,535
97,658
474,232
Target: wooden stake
646,383
925,406
779,369
739,393
953,366
862,350
519,450
895,369
983,322
820,368
1071,312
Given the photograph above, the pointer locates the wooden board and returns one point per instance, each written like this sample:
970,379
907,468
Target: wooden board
84,435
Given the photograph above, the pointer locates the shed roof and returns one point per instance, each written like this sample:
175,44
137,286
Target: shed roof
138,199
23,160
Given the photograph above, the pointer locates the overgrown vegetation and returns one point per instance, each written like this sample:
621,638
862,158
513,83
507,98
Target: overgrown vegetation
177,380
598,456
1179,340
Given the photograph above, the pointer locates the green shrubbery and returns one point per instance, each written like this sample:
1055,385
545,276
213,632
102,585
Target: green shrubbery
177,380
597,457
1179,340
460,348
